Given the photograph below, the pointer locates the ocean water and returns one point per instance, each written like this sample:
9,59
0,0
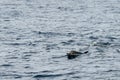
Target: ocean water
35,36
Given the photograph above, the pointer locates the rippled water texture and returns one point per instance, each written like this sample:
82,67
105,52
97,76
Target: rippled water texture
35,36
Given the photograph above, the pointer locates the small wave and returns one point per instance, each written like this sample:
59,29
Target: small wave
46,71
65,43
15,43
70,34
118,50
7,20
56,57
111,38
112,70
47,34
53,34
11,75
102,44
13,57
76,77
54,75
47,75
20,43
32,52
65,8
68,42
6,65
93,38
51,46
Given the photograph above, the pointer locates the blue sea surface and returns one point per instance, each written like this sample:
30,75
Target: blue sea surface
35,36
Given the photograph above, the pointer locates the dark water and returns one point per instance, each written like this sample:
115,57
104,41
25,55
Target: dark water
35,36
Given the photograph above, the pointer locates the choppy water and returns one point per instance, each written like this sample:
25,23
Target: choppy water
35,36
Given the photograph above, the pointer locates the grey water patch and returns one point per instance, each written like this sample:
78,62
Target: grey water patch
100,50
28,0
16,13
12,14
